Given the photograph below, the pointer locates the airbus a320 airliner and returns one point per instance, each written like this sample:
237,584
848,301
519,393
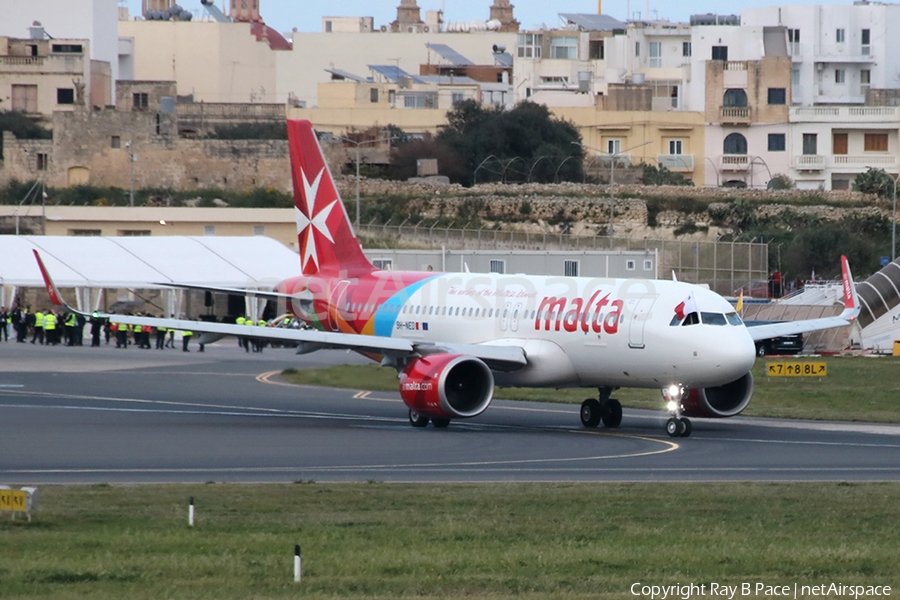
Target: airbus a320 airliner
453,336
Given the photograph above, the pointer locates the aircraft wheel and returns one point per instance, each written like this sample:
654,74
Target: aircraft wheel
674,427
591,412
687,427
612,415
440,423
417,420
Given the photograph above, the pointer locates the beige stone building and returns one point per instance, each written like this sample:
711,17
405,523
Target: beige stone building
39,76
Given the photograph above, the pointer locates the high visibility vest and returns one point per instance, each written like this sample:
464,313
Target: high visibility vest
240,320
161,329
249,322
138,329
187,333
114,327
39,319
50,322
262,323
70,320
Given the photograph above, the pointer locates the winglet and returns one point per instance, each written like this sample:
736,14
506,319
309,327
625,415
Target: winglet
851,301
52,290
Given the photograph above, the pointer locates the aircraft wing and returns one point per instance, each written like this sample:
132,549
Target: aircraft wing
501,357
225,290
849,314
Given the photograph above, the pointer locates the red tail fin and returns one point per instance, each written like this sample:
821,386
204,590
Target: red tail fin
327,241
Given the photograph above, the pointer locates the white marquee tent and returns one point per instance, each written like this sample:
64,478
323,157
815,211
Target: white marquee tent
93,264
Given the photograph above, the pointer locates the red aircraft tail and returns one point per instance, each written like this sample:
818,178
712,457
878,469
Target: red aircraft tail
327,241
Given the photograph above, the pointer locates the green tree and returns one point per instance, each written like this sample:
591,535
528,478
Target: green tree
874,181
508,143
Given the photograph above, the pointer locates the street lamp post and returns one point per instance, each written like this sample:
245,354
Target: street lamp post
358,144
131,159
612,189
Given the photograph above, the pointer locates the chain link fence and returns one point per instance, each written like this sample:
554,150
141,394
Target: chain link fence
727,267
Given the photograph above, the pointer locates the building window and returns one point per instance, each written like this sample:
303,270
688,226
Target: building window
735,98
685,48
637,48
68,48
383,264
134,232
630,265
648,265
422,100
810,144
596,50
777,96
839,36
794,42
613,146
42,161
734,143
865,78
840,76
498,266
529,45
65,96
571,268
720,53
839,143
140,100
875,142
373,95
328,27
115,142
675,146
866,40
259,230
564,47
84,232
655,55
457,97
209,230
776,142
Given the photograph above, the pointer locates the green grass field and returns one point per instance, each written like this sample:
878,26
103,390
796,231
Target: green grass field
446,541
855,389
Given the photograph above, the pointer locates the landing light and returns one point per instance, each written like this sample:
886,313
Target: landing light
672,406
674,392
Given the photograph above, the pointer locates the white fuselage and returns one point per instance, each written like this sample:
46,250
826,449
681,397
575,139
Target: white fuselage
576,331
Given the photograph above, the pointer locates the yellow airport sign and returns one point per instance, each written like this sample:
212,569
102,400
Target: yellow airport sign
15,500
796,369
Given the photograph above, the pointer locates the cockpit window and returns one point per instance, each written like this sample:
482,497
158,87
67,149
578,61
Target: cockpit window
689,319
733,318
713,318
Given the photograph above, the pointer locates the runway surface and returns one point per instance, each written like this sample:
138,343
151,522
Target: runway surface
94,415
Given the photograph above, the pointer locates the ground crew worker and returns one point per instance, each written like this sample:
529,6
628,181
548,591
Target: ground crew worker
185,340
171,341
96,328
50,328
39,328
262,342
4,319
248,341
240,321
160,336
121,335
69,328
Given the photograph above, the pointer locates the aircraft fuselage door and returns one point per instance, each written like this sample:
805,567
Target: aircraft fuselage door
640,314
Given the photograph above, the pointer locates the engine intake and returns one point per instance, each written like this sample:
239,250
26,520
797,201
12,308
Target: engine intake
717,402
448,386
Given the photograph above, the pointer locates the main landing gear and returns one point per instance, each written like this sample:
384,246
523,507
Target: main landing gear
417,420
605,409
676,426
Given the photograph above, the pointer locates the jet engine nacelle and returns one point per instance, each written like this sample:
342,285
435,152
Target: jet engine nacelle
447,386
717,402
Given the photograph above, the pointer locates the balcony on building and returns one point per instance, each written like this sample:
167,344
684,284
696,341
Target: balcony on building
734,162
734,115
847,116
676,162
809,162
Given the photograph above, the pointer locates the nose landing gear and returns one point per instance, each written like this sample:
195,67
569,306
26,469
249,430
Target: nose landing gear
676,426
605,409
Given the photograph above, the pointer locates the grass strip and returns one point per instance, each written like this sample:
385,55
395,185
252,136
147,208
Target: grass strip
446,541
857,388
